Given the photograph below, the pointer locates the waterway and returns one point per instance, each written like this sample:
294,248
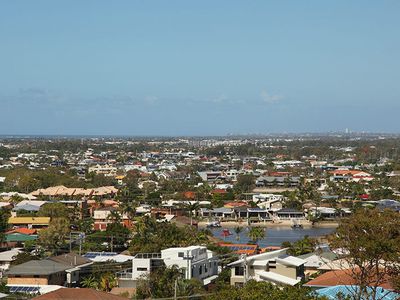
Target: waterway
274,236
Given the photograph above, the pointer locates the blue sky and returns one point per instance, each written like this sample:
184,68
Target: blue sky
198,67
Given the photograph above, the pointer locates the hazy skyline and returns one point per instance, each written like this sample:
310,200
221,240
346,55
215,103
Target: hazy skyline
198,68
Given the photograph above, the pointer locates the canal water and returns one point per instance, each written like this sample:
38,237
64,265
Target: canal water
274,236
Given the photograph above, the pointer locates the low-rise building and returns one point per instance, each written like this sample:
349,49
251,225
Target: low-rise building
275,267
195,261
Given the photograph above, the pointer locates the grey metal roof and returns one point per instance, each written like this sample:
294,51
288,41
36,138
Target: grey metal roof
27,207
38,267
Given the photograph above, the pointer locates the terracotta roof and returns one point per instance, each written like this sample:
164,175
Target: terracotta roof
219,191
340,277
190,195
22,230
235,204
73,294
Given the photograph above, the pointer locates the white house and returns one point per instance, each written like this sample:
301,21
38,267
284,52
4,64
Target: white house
195,261
275,267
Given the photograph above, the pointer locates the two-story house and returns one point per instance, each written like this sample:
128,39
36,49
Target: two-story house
276,267
195,262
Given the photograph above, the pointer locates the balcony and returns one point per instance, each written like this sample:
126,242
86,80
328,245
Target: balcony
148,255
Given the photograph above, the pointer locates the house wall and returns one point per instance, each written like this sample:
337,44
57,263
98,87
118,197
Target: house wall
27,280
236,279
285,270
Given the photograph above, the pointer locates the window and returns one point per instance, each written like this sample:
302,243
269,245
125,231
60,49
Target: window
201,270
239,271
36,276
141,269
181,254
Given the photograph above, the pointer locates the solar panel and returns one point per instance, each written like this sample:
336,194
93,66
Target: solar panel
24,289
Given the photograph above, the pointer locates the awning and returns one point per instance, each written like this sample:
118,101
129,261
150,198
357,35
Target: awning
208,280
277,278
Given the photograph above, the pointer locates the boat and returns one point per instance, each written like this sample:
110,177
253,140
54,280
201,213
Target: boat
213,224
226,232
296,224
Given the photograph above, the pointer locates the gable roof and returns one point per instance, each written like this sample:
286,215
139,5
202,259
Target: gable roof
74,293
71,259
37,267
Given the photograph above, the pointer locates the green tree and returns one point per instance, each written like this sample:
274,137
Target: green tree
53,210
4,215
262,291
152,236
53,237
244,184
256,233
161,284
372,240
304,246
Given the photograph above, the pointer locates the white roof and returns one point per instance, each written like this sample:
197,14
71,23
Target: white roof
208,280
263,257
277,278
291,261
8,255
117,258
2,204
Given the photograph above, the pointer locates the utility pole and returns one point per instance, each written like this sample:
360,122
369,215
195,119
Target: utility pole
175,289
187,265
245,268
112,243
70,241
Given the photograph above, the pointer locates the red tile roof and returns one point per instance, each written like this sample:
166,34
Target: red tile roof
73,294
23,231
219,191
340,277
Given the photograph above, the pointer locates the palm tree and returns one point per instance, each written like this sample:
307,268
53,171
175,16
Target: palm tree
107,282
129,208
194,206
256,233
90,282
238,230
114,216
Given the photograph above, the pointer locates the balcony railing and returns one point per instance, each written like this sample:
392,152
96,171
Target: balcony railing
148,255
125,274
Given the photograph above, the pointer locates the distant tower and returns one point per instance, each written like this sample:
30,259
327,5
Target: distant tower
347,131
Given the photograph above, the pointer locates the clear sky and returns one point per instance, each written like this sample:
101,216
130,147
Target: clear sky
198,67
